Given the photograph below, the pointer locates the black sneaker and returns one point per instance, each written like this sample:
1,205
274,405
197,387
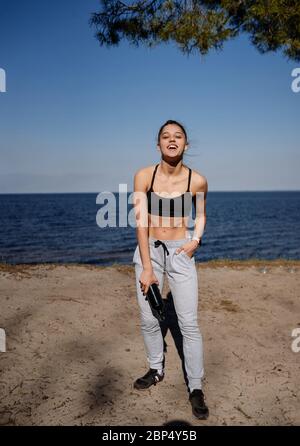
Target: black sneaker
151,377
200,410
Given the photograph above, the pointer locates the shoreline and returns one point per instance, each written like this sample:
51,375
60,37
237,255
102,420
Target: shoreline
216,263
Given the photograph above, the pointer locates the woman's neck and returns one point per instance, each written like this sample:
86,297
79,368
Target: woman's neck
171,170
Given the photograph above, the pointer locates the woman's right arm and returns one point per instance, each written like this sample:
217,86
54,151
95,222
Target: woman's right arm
142,231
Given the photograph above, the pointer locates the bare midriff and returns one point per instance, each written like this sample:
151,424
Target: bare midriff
168,228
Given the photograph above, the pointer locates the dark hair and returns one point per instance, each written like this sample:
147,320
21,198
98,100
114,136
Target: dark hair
170,121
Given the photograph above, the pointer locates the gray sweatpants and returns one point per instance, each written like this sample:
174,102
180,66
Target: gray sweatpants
183,283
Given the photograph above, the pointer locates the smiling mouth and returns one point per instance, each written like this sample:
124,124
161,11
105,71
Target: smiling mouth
171,147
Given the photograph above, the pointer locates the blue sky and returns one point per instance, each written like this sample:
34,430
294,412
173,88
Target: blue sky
78,117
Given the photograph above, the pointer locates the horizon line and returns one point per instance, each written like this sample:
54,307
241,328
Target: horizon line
129,192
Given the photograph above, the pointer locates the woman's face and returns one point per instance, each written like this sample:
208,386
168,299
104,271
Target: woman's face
172,141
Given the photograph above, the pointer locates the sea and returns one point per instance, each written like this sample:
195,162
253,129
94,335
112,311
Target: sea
71,228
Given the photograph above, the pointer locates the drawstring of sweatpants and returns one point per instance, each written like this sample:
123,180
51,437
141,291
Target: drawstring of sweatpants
157,243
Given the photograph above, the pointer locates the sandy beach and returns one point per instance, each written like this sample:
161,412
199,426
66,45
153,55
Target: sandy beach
74,347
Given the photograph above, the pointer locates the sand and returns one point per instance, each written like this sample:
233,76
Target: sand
74,347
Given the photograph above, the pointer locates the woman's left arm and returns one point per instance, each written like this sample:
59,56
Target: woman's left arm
201,187
200,207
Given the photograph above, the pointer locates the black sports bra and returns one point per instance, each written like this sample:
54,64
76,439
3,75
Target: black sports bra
169,207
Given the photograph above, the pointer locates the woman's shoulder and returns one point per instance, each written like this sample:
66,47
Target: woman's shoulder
143,176
199,181
145,171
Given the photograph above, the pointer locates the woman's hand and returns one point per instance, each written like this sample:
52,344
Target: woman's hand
189,248
146,279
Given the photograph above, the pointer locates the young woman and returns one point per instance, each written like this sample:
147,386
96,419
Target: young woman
163,197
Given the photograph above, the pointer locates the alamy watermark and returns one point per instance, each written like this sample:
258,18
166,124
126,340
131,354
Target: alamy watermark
296,342
295,86
2,340
164,212
2,81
